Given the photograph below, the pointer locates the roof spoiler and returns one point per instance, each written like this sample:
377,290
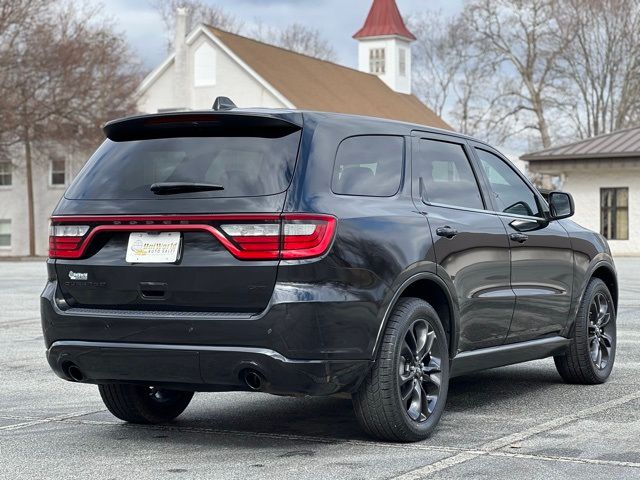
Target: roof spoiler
199,124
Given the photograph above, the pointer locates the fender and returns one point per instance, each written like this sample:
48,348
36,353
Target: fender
420,271
600,260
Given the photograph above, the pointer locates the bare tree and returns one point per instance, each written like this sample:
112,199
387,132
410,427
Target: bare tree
71,73
526,41
602,65
453,75
15,16
298,38
439,57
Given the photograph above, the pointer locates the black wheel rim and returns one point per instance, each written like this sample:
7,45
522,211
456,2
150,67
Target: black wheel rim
601,331
420,373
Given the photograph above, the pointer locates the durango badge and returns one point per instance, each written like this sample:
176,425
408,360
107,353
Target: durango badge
78,276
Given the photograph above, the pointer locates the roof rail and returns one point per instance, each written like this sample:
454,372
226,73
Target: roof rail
223,103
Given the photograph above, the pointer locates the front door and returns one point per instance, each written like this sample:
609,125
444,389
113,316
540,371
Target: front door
541,254
470,243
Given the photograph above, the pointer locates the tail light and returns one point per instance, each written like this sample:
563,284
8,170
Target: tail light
293,237
247,237
66,241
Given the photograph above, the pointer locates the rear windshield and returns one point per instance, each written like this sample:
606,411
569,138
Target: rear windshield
244,166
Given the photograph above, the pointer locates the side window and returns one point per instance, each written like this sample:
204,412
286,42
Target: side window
6,173
377,61
58,172
204,66
614,213
512,194
368,166
446,174
5,233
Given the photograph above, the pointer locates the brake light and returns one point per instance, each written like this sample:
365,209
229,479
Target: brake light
297,236
66,241
247,237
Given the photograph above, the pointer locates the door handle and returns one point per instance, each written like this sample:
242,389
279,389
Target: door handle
447,232
519,237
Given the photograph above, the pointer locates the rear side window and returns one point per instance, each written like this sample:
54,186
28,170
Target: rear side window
369,166
446,175
243,165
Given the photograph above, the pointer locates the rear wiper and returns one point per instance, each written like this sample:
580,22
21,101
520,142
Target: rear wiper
170,188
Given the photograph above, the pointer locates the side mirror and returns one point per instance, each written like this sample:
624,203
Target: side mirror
561,204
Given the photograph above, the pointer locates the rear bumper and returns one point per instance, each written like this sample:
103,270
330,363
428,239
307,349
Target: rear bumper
314,341
202,368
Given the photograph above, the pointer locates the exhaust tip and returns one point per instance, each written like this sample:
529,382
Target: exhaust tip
73,372
253,379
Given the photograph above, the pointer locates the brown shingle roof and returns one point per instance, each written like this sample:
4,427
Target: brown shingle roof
313,84
623,143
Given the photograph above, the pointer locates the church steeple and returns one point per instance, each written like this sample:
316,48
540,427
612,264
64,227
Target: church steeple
384,46
384,19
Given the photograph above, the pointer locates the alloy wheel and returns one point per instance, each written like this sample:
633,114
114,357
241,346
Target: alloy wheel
600,331
420,373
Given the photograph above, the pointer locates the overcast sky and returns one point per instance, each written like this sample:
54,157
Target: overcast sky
338,20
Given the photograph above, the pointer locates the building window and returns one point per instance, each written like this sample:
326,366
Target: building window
614,213
402,62
5,233
376,60
6,171
58,172
204,66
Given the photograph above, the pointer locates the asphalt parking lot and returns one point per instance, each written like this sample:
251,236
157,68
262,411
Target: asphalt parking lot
513,422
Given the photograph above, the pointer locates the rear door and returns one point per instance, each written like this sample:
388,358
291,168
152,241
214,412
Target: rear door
541,253
470,243
120,245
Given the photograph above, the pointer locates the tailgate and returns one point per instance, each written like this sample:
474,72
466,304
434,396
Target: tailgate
219,223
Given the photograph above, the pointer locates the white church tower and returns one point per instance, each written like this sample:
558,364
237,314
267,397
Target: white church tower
384,46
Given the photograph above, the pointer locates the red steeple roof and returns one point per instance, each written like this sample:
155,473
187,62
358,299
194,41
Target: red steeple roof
384,19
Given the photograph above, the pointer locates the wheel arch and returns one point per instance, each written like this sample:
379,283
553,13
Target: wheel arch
605,273
433,290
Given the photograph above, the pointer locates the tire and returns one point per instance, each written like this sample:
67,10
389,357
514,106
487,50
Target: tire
378,404
143,404
595,327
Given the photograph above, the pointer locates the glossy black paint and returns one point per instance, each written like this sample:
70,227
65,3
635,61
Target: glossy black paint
191,284
316,325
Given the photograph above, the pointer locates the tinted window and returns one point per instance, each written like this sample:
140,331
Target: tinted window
243,165
369,166
512,194
446,174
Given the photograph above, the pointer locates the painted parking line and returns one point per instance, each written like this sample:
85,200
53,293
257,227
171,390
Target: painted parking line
458,454
549,458
57,418
494,445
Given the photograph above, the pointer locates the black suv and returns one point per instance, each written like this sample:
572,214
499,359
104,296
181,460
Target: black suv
296,252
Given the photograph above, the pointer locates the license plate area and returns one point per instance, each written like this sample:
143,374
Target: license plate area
160,247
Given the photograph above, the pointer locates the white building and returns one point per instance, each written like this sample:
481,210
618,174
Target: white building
208,63
52,170
603,175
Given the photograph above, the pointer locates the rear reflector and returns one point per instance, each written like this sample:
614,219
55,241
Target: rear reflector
247,237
